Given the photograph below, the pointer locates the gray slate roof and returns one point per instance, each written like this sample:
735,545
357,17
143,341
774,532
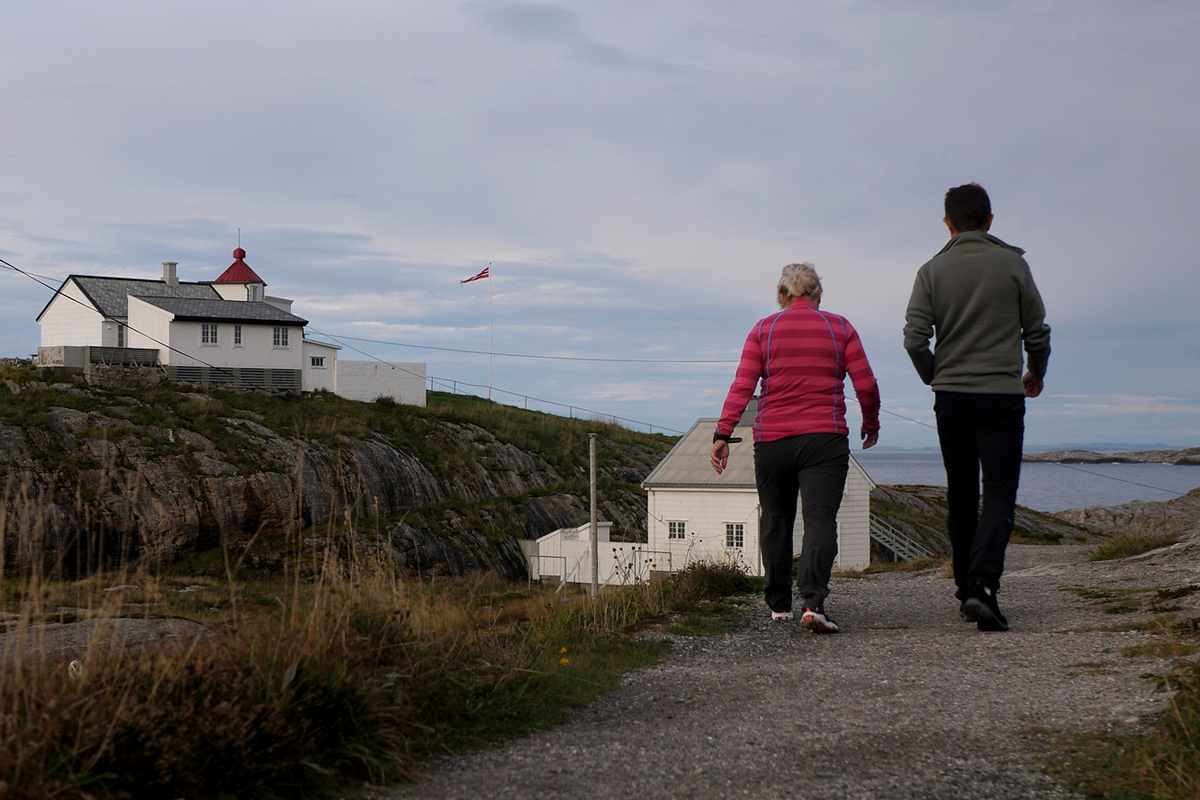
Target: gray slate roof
108,294
224,311
688,465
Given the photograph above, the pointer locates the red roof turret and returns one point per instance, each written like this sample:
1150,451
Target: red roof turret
239,271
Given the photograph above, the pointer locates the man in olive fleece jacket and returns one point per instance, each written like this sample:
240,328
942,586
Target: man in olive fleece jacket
979,296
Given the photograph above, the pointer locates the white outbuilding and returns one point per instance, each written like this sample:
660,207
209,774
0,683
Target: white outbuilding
696,514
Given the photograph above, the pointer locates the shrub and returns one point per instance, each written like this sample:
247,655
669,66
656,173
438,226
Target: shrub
713,580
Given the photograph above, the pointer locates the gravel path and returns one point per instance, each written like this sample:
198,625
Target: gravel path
907,702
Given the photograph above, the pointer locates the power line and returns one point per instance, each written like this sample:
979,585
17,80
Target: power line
456,383
1111,477
603,359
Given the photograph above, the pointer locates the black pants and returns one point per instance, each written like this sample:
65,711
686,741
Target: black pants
813,466
980,430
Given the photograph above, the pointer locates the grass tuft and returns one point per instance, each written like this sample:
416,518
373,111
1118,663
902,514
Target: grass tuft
1131,545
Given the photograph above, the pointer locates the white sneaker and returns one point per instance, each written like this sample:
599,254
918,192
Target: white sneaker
815,620
781,616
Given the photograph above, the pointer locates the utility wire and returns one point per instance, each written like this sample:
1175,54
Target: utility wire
446,381
1111,477
603,359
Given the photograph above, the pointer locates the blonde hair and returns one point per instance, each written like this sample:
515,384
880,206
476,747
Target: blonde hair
799,280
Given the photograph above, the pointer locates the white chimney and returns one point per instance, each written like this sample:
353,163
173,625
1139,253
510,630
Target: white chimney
169,277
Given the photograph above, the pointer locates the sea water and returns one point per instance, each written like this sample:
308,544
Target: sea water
1046,486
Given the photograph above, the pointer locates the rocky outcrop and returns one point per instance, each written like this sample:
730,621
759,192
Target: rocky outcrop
87,489
1190,457
1139,516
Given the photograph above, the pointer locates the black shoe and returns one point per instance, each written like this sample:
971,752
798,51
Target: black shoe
981,604
964,614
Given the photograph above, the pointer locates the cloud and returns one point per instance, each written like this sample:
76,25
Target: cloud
543,25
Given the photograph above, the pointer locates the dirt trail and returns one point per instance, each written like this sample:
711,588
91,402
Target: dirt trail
907,702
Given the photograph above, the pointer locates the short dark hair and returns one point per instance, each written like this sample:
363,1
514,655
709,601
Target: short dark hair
968,207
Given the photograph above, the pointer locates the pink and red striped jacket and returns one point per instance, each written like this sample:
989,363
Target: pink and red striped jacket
802,356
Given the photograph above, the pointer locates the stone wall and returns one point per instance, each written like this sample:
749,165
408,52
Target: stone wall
115,376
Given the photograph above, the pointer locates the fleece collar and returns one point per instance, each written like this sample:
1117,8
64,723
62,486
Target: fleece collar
970,237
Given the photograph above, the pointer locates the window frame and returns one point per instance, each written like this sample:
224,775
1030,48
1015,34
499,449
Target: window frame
735,535
279,338
237,336
209,334
672,534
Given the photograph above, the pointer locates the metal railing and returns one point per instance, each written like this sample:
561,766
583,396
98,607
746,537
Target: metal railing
537,557
627,568
900,545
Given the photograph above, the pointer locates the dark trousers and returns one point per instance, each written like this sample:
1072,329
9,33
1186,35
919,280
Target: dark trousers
813,466
980,430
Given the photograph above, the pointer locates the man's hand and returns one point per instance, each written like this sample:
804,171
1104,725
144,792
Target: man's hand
1033,384
870,439
720,455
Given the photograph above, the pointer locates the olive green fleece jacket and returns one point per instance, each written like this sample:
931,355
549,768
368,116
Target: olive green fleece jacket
979,296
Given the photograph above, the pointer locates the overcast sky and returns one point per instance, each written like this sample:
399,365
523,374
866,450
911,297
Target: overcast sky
636,173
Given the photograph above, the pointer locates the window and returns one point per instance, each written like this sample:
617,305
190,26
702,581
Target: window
208,334
120,335
735,534
676,529
281,337
237,335
318,361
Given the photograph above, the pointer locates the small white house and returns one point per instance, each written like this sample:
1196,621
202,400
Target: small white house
694,513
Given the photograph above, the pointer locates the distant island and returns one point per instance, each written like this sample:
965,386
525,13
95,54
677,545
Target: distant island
1189,457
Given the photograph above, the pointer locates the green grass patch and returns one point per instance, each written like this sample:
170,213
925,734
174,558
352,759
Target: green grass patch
1131,545
698,624
1163,763
1122,607
1111,601
881,567
1023,535
1166,649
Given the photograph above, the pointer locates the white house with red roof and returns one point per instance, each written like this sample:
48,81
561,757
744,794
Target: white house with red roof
223,331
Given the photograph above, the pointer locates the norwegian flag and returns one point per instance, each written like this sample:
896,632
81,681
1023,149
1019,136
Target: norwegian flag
483,273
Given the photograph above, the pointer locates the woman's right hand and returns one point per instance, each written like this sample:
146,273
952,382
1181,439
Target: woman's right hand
720,455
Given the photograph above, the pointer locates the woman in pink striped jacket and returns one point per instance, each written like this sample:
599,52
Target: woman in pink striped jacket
800,358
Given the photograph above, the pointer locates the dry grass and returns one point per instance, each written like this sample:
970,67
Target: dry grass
338,673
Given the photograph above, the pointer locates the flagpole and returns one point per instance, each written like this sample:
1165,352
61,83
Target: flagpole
489,330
